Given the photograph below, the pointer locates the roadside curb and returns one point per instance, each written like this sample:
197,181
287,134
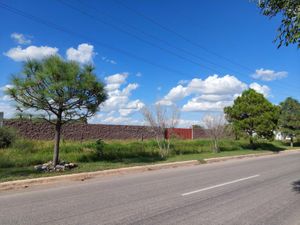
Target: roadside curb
19,184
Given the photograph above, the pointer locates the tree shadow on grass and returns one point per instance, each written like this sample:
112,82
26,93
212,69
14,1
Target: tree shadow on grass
263,146
287,144
296,186
6,173
141,160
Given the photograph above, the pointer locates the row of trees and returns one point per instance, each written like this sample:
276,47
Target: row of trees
253,115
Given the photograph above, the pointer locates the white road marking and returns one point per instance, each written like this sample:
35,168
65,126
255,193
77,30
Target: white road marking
220,185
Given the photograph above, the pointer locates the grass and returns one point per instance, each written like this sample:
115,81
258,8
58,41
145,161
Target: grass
17,161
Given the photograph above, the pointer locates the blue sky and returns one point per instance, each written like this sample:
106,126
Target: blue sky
198,55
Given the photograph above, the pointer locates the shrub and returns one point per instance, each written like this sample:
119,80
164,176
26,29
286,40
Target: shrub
7,137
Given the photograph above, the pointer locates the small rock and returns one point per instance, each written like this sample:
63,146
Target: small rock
59,168
38,167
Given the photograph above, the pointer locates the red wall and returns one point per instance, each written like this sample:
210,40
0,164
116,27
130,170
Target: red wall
183,133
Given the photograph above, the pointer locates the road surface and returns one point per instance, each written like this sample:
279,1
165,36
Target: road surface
249,191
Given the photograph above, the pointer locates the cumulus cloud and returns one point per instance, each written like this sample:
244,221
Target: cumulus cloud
114,82
32,52
262,89
212,89
6,105
269,75
217,85
119,96
83,54
120,120
175,94
210,94
196,105
20,38
187,123
6,87
107,60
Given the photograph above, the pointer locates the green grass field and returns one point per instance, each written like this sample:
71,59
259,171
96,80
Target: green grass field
17,161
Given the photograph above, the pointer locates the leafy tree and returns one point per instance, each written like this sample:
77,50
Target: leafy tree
254,115
289,30
289,120
62,90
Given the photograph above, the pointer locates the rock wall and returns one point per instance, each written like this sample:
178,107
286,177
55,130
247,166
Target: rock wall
81,131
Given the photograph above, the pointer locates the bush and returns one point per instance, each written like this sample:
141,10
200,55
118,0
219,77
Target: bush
7,137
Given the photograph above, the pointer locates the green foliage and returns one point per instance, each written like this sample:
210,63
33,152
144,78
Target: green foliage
254,115
63,91
7,137
59,88
289,120
289,30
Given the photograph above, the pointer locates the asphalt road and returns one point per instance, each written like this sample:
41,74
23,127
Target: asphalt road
249,191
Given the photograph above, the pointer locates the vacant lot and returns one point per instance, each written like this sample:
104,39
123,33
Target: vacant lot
17,161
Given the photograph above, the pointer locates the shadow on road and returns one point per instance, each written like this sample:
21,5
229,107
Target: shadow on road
296,186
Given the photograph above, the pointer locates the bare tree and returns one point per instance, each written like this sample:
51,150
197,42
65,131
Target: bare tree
215,128
160,118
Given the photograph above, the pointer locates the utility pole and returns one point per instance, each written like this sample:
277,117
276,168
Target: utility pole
1,118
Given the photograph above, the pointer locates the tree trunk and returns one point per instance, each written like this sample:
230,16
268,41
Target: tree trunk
251,142
216,146
57,142
292,142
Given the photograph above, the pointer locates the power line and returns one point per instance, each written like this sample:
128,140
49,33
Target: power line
180,35
137,37
160,39
70,32
186,39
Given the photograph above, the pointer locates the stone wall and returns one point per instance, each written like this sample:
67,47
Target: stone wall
81,131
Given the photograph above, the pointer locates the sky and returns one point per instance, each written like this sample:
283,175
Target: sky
197,55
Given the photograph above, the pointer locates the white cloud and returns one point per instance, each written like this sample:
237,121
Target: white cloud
20,38
119,97
269,75
175,94
183,82
215,98
211,94
121,120
262,89
32,52
117,78
83,54
114,82
213,88
111,61
138,74
196,105
131,107
6,87
217,85
8,109
187,123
